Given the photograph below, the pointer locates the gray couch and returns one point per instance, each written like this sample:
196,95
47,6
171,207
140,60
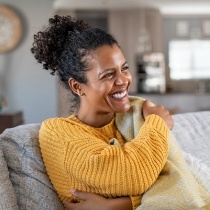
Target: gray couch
24,184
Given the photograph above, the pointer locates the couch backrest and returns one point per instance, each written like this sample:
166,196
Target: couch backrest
27,173
192,131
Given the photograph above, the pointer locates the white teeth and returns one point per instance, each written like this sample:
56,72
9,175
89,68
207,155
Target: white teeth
119,95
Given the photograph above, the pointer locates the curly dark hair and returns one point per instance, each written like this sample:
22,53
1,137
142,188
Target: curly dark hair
63,46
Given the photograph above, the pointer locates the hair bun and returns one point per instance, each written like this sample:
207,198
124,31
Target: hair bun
49,44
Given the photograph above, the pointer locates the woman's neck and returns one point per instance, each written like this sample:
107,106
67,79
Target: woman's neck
95,120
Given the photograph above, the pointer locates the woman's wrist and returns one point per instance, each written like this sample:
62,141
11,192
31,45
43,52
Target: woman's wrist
122,203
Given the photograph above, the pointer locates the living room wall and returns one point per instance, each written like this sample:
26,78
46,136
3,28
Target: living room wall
23,82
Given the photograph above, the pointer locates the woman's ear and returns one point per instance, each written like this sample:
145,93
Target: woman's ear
75,86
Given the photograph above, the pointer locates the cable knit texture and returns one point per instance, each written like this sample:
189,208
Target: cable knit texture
100,160
90,159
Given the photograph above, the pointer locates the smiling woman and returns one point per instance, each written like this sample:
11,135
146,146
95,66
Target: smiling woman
114,145
92,66
106,90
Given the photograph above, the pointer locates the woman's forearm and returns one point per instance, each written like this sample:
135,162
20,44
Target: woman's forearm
123,203
97,202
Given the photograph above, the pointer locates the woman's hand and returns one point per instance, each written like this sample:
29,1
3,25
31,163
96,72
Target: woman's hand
92,201
148,108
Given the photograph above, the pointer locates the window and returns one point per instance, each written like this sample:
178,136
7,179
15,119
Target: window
189,59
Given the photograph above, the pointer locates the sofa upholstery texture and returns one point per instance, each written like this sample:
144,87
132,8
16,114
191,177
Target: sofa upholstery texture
24,184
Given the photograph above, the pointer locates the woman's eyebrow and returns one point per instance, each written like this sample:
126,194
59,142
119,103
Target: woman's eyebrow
104,70
125,63
108,69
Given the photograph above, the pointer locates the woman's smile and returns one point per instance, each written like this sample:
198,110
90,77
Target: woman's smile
108,80
119,95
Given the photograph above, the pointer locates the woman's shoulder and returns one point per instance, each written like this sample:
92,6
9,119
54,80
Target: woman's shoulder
60,129
56,122
57,128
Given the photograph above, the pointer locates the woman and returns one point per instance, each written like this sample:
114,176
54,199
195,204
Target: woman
86,151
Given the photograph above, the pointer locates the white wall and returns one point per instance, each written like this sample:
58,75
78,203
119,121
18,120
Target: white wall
25,84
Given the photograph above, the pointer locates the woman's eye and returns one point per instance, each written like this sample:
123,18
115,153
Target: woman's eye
125,68
108,75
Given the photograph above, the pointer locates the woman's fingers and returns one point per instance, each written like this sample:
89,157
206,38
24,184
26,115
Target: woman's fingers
149,108
80,194
89,201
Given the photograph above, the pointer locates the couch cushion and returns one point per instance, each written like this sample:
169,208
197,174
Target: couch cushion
192,131
8,199
26,169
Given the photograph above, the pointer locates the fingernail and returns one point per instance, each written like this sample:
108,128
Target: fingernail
73,191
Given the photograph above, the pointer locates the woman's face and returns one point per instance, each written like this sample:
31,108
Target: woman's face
108,81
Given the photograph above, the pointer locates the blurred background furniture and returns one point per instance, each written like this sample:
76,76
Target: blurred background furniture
10,119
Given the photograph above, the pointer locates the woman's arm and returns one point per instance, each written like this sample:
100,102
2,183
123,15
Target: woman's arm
78,159
96,202
149,108
75,158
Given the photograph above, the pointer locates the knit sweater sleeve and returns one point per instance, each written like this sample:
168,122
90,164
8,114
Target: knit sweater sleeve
80,160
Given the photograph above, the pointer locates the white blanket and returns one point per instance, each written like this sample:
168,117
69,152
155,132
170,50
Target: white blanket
176,187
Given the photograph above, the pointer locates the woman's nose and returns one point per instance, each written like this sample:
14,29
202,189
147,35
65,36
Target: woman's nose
121,79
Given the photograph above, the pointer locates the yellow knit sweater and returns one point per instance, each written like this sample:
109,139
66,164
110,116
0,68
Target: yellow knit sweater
81,157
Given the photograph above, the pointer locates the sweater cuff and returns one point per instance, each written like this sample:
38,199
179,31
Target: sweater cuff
158,123
136,201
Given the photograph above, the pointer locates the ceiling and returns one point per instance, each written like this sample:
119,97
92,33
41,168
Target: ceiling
165,6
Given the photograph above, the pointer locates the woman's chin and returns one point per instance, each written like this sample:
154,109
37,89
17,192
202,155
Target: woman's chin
125,108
